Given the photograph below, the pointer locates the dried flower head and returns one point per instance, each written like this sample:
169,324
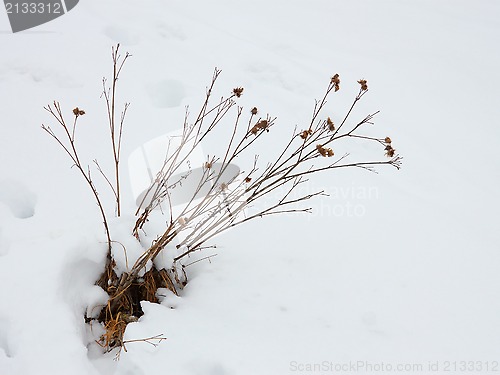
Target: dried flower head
238,91
389,151
387,140
262,124
336,82
305,134
248,179
331,125
223,186
363,83
78,112
208,165
320,149
324,151
254,111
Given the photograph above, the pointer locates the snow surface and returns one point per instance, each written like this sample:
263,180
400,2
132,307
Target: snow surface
400,267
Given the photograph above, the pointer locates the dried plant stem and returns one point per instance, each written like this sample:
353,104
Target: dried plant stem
68,145
291,165
150,340
115,131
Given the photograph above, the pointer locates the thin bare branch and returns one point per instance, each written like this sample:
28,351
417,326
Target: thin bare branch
68,145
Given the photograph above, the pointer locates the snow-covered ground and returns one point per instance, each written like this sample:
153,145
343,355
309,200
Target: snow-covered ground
393,270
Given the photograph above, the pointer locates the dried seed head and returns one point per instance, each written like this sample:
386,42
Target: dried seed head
324,151
262,124
248,179
238,91
223,186
305,134
363,84
387,140
389,151
78,112
254,111
331,125
208,165
336,82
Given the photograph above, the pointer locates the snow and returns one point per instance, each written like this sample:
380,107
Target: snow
399,267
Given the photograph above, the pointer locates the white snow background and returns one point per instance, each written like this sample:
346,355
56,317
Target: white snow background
396,268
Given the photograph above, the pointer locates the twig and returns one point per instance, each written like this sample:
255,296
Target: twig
201,259
72,152
149,340
110,98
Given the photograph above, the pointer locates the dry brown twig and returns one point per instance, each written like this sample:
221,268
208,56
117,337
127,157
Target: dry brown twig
109,95
67,142
218,202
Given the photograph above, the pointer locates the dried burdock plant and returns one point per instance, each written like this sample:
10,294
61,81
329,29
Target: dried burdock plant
220,197
224,201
